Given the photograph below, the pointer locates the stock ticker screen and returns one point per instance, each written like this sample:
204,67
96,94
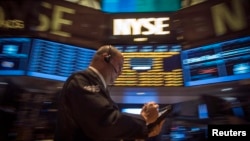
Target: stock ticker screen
14,55
218,62
150,65
56,61
144,65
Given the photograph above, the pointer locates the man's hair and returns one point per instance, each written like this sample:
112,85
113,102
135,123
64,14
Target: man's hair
110,50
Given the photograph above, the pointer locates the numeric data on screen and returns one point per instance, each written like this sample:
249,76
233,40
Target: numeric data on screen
150,65
52,60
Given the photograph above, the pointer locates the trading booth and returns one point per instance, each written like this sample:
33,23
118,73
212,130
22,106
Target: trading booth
195,58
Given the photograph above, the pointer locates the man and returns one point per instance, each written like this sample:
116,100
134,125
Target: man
86,111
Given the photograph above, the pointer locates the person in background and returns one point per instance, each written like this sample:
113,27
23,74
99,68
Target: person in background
86,111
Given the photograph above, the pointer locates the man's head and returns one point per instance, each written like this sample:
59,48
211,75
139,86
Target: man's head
109,62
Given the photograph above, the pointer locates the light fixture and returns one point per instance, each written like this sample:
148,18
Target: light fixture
140,93
226,89
140,39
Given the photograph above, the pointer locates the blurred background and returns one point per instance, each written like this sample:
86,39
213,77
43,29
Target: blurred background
191,54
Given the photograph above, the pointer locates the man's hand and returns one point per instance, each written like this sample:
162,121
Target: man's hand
150,112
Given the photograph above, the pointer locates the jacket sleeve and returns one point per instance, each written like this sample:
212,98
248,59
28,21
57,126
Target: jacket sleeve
97,116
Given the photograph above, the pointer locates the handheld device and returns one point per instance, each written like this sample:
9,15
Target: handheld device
163,113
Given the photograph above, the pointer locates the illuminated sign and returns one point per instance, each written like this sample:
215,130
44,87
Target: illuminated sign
89,3
218,62
14,55
56,20
140,6
150,65
63,20
10,23
212,21
56,61
235,19
141,26
52,24
202,58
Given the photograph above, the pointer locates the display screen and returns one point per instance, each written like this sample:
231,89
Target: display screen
202,111
238,112
218,62
131,110
150,65
14,55
56,61
118,6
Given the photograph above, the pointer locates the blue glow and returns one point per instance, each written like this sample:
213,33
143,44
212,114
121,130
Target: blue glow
141,63
47,76
131,95
238,111
7,64
139,99
119,6
228,61
56,61
216,45
177,135
14,53
193,129
131,49
218,79
132,110
150,48
10,49
141,68
10,72
202,111
162,48
241,68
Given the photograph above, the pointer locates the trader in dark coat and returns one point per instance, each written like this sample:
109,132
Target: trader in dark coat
86,111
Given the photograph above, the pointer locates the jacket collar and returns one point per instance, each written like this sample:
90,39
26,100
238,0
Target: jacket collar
99,75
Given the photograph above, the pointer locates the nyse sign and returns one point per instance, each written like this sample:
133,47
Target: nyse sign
10,23
235,19
213,21
55,23
141,26
51,19
52,24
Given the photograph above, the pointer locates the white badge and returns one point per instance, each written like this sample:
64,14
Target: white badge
93,88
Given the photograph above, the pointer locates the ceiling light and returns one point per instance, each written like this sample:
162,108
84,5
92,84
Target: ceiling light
140,39
226,89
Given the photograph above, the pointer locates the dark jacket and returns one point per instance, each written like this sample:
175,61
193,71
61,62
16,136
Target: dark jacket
86,112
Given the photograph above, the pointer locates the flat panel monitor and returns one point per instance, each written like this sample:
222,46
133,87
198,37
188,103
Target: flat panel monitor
121,6
56,61
202,111
238,111
150,65
219,62
131,110
14,55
